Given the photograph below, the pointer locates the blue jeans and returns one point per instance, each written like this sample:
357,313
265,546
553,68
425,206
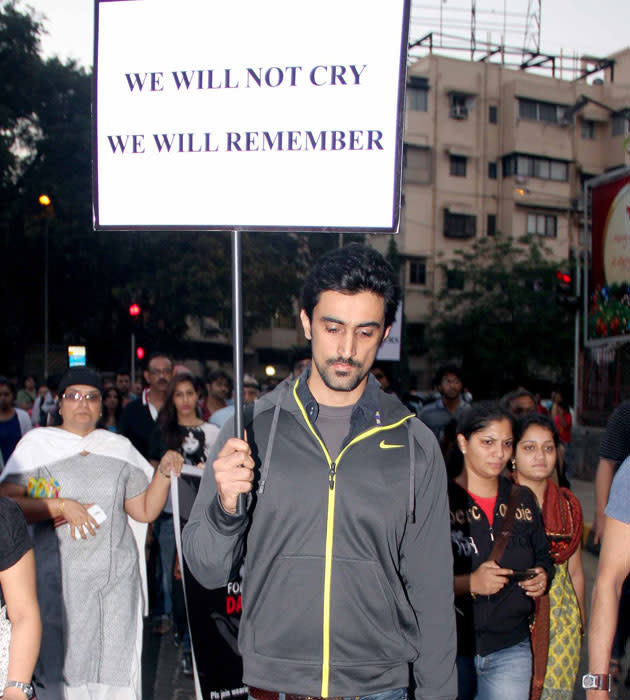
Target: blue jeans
506,673
395,694
165,536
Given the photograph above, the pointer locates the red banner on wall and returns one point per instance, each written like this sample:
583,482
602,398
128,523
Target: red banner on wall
609,281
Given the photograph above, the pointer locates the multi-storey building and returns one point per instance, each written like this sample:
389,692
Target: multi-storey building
489,148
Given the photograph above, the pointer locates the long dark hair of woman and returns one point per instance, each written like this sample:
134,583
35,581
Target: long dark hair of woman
167,420
102,423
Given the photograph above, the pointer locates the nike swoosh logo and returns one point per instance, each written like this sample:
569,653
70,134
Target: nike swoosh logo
386,446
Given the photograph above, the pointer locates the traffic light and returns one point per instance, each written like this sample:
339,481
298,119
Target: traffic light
564,291
140,352
134,310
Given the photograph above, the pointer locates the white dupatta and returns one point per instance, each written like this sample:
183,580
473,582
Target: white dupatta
45,446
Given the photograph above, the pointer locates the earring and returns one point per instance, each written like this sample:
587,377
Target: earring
513,464
463,451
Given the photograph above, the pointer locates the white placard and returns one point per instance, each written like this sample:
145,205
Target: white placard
282,114
390,348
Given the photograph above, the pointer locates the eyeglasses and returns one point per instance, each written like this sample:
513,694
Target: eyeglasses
164,372
90,397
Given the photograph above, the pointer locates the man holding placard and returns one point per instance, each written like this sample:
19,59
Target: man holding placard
336,507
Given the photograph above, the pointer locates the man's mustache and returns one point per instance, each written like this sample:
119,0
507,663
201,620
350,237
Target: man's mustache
344,361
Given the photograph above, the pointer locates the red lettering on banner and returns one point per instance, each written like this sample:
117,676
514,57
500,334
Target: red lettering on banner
233,604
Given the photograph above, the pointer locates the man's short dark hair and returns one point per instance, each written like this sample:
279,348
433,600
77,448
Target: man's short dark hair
219,374
352,269
449,368
124,372
506,400
157,353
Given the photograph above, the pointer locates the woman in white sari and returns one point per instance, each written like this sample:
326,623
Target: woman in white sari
81,487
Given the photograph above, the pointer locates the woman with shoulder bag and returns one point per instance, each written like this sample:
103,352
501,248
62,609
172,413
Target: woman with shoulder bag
560,615
501,560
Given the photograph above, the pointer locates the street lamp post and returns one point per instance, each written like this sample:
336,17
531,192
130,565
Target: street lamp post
46,202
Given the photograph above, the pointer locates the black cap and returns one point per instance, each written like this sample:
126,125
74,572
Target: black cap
80,375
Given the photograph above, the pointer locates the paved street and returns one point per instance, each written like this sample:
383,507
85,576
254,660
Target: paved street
163,679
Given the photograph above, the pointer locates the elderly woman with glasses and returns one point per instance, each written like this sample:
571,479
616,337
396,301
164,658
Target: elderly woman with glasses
84,488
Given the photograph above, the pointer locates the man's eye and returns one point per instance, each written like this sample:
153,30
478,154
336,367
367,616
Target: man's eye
332,329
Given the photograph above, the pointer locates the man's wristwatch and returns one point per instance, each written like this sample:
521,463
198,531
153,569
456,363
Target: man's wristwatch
26,688
597,681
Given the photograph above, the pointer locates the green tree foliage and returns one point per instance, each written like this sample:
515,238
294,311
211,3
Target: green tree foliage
20,65
189,273
505,325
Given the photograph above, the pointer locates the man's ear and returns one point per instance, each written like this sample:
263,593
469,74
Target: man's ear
306,324
147,377
387,330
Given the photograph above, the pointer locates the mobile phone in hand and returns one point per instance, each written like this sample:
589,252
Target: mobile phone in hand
522,574
97,513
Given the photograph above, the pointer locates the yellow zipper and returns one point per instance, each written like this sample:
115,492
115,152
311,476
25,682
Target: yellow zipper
330,526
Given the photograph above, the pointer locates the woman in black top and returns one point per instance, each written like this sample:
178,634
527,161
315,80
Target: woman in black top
181,428
494,599
17,579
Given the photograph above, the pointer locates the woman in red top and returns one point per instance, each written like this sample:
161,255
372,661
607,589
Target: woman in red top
561,417
501,560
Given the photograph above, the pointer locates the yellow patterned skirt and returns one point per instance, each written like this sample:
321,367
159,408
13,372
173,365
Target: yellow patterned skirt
565,637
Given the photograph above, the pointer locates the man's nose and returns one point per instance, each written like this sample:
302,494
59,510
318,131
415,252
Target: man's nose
347,345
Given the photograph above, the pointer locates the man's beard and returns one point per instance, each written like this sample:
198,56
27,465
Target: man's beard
346,382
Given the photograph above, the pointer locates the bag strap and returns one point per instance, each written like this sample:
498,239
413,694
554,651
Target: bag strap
503,536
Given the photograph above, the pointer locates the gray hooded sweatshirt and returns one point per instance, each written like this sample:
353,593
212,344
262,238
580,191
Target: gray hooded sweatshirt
347,565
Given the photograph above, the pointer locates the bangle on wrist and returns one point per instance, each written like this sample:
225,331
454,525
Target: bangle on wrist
62,505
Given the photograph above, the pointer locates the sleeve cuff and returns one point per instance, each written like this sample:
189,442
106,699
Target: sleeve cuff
224,522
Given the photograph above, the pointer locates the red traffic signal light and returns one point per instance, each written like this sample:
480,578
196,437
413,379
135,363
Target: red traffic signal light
134,310
563,277
565,295
140,352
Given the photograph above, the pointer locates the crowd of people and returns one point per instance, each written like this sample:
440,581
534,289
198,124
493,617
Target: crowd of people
385,554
